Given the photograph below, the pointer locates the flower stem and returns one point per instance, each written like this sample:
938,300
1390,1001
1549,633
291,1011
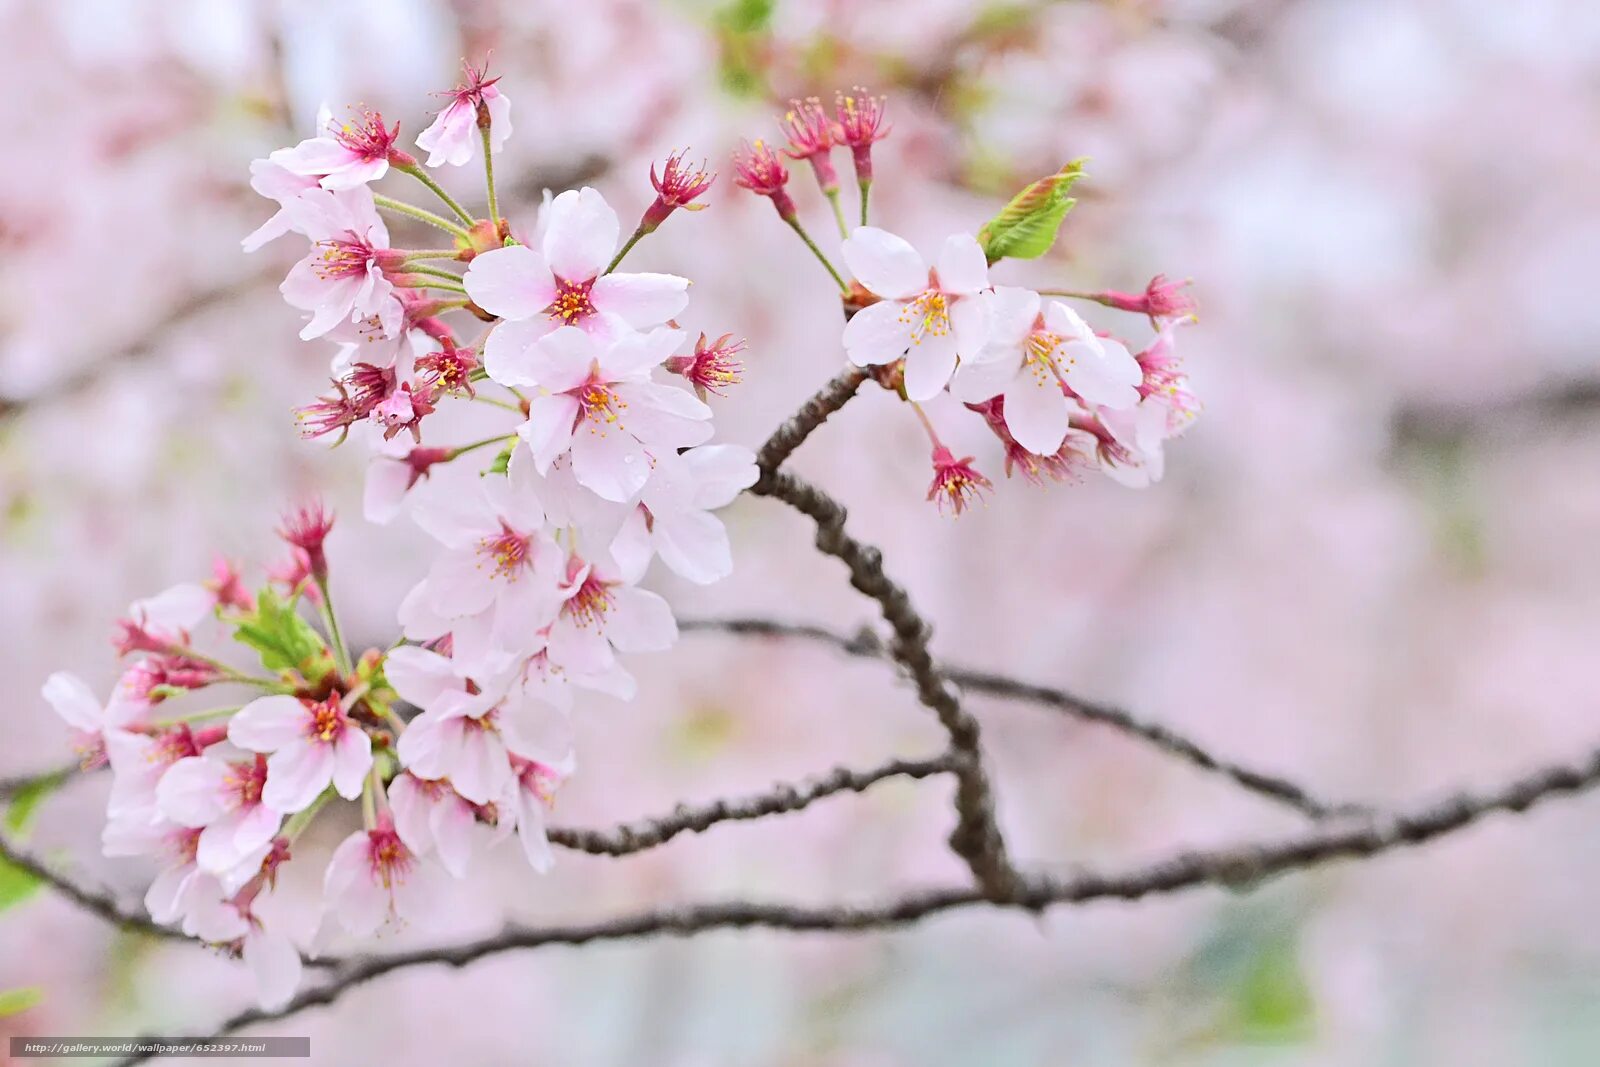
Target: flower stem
196,716
480,398
838,212
330,619
400,207
865,187
625,249
488,174
438,190
436,272
927,424
794,224
1076,294
431,253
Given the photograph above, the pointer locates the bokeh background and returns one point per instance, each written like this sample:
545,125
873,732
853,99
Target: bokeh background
1372,565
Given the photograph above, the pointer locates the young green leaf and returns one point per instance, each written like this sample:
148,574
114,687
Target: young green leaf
1026,227
16,1001
25,801
284,640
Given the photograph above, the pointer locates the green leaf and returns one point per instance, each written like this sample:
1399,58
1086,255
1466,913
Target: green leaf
16,1001
1027,226
16,885
25,801
1273,1001
502,460
283,639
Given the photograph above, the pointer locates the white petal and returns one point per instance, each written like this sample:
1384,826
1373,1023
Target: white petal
581,234
877,334
640,621
642,300
884,263
190,793
929,365
509,353
1036,414
275,963
352,759
296,774
962,266
268,723
419,675
514,282
74,701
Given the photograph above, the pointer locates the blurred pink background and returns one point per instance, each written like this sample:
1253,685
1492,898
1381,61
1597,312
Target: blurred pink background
1371,566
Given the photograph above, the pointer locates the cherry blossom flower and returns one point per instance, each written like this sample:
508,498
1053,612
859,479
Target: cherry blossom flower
712,367
955,481
544,681
89,718
341,279
1031,358
275,183
140,760
758,168
306,528
1129,443
431,817
395,469
533,790
495,582
673,517
565,283
220,793
811,137
602,614
374,880
930,318
311,744
860,125
344,156
460,734
453,136
601,404
677,186
1166,379
160,624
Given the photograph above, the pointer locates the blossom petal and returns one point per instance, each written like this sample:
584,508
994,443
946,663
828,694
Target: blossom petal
929,365
1036,414
640,621
352,759
73,700
642,300
190,793
581,234
267,724
884,263
508,354
419,675
514,283
963,268
877,334
296,773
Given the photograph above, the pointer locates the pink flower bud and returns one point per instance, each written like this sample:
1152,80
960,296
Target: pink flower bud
675,186
860,124
712,368
955,481
812,137
306,528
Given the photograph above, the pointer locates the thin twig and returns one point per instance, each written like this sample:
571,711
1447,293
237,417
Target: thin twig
867,644
92,900
1241,866
812,414
10,787
649,833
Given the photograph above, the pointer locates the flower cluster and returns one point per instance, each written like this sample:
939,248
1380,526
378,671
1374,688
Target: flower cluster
454,739
1059,395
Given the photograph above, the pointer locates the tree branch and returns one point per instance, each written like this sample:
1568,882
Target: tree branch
92,900
867,645
10,787
1241,866
649,833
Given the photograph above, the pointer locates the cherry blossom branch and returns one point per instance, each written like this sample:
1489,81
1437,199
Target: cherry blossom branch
976,838
649,833
1243,866
867,645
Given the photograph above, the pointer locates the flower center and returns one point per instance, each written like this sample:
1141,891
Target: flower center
600,405
591,602
929,313
367,137
572,303
327,720
246,780
389,858
341,259
507,552
1039,355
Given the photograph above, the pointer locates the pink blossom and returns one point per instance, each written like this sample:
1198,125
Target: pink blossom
494,585
758,168
1129,443
602,614
676,187
374,880
673,517
161,623
306,528
930,317
220,792
460,734
955,481
533,790
311,744
600,403
712,367
275,183
860,125
347,155
431,817
138,762
89,718
564,283
811,137
1032,358
477,102
395,469
341,279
